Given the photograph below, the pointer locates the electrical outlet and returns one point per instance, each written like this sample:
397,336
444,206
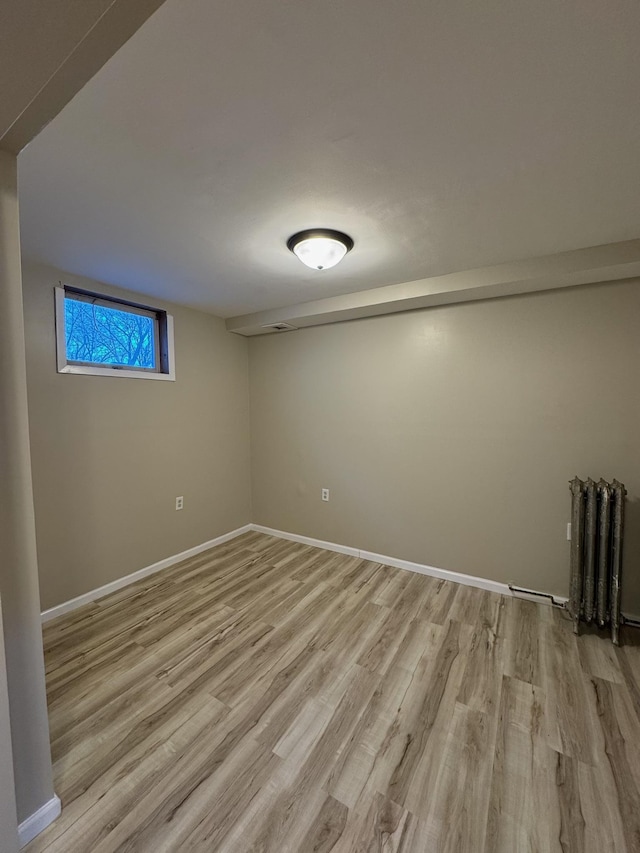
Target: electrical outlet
180,502
569,532
325,494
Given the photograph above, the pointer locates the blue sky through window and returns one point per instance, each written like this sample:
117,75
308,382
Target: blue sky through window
97,334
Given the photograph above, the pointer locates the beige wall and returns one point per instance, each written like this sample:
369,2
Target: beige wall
447,436
18,567
411,420
110,455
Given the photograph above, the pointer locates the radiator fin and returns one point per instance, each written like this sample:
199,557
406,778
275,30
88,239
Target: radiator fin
597,518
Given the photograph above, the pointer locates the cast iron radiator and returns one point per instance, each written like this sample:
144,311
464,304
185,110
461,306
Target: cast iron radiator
597,522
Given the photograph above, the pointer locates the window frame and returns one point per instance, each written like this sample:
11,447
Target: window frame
165,352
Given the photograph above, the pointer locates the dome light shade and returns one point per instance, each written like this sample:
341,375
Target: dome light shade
320,248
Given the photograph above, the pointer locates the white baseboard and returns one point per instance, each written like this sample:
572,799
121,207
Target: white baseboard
306,540
443,574
419,568
39,820
94,594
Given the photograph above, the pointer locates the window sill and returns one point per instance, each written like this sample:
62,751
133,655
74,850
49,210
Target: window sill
115,371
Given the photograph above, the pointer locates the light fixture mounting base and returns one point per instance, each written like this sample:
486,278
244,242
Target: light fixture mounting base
310,233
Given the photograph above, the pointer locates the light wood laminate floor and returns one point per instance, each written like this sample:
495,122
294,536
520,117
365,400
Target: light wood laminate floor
270,696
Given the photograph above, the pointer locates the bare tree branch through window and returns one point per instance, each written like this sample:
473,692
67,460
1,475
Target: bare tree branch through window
101,335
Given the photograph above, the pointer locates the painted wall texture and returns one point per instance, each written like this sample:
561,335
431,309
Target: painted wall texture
111,454
448,436
18,566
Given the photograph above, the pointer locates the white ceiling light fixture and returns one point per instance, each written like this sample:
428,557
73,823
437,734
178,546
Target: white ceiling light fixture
320,248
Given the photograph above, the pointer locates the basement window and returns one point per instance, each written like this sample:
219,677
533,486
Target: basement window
104,336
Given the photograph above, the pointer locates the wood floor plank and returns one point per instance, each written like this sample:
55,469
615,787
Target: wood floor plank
386,826
198,805
598,656
92,816
420,710
271,697
482,679
283,816
327,829
83,752
323,680
364,761
435,607
454,803
600,809
623,754
569,703
523,641
396,624
524,811
628,656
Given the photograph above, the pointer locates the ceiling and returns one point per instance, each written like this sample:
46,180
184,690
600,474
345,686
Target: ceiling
442,136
